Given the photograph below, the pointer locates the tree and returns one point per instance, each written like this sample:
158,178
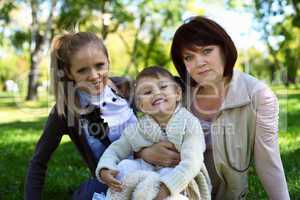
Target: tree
40,37
148,19
153,18
279,21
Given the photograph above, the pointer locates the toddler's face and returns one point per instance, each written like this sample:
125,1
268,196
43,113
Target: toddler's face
157,96
89,69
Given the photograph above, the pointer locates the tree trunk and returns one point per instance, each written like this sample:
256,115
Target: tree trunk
33,78
37,45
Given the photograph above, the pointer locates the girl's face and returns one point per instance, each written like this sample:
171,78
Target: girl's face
157,97
205,64
89,69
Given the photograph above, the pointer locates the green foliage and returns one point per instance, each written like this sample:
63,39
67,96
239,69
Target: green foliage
256,63
19,38
8,71
5,11
150,22
285,30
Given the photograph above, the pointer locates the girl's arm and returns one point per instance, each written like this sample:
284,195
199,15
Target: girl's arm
45,147
266,149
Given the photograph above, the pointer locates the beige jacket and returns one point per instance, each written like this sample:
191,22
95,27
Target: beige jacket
184,131
246,129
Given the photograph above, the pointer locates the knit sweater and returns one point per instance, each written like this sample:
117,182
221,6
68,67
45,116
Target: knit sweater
183,130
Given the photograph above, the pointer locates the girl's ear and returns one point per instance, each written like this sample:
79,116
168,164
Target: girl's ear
68,74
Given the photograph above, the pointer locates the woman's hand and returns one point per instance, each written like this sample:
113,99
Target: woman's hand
162,154
163,192
108,177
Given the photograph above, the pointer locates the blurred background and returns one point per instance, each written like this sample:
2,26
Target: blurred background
138,33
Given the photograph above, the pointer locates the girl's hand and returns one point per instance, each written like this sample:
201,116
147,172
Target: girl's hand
108,177
162,154
163,192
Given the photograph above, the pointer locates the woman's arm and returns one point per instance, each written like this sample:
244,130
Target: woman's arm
266,148
162,154
46,145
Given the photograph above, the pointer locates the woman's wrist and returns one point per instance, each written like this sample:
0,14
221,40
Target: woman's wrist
138,155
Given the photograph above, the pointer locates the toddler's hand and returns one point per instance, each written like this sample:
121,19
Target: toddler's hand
163,192
108,177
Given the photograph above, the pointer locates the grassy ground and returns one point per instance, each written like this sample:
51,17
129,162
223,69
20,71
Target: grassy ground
21,125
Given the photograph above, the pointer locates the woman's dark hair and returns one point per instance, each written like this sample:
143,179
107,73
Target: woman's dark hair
201,31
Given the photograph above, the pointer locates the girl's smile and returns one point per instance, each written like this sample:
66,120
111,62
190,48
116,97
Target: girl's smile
89,69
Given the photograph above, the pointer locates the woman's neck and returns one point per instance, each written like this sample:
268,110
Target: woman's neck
208,99
218,89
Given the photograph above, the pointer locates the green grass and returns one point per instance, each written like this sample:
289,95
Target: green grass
21,126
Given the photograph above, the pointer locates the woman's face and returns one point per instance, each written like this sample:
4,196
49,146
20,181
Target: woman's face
89,69
205,64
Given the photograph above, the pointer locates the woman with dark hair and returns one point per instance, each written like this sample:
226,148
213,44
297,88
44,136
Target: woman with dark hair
238,113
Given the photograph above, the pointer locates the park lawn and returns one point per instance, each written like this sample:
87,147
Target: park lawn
21,125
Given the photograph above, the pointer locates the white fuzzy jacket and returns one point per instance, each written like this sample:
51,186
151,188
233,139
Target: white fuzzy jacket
183,130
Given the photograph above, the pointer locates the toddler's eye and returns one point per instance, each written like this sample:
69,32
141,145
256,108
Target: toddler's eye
163,86
147,92
99,65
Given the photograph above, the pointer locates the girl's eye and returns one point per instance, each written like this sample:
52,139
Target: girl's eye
82,70
206,51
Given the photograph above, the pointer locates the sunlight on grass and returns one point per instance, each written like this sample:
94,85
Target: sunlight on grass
21,126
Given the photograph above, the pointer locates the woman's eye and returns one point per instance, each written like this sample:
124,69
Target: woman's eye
187,58
206,51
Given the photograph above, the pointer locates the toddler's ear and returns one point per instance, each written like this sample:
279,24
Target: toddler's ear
138,104
178,93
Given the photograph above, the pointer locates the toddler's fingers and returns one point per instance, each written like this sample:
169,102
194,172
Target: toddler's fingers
114,173
115,181
117,187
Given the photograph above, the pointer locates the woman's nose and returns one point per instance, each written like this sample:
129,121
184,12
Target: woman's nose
200,61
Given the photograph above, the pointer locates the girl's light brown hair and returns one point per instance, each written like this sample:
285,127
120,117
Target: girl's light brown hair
62,49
